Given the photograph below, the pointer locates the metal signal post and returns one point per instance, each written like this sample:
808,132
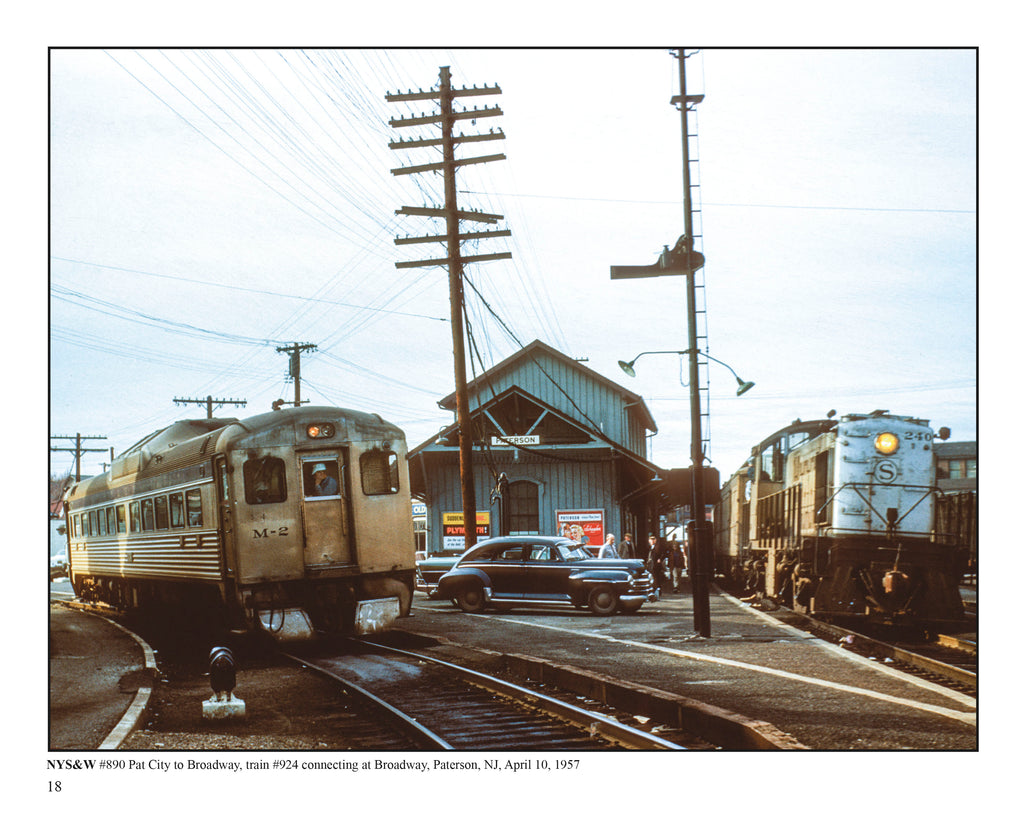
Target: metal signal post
701,547
679,260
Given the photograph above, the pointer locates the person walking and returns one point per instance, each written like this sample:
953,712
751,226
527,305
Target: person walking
676,563
608,550
627,549
656,556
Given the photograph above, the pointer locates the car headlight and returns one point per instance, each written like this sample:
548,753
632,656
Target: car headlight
887,443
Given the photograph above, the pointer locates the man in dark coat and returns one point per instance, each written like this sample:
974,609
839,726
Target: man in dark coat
656,556
676,563
626,548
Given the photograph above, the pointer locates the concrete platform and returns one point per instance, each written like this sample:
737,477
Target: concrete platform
101,678
821,696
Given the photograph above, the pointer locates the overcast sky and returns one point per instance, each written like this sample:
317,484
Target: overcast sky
208,206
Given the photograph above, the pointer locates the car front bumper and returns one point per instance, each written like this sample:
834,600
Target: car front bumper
629,599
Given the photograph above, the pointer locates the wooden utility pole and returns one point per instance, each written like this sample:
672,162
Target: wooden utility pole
294,368
446,118
78,451
210,401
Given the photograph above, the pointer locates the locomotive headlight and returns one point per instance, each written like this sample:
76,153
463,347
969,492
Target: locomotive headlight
887,443
322,431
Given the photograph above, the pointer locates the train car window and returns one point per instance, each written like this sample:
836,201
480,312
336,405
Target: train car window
111,521
101,519
177,510
148,522
378,471
135,517
160,507
798,439
76,526
320,478
120,517
772,462
264,480
93,527
194,507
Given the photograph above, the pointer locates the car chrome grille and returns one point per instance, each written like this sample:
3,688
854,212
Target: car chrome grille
642,584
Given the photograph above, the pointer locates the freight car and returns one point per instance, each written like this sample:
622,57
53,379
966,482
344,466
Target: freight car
293,522
835,518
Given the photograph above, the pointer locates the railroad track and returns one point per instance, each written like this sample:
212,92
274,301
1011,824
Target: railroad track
442,706
947,660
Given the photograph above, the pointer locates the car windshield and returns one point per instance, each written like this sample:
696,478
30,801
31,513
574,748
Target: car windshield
573,552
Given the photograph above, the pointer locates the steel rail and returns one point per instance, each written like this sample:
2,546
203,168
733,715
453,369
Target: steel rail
595,723
865,644
408,724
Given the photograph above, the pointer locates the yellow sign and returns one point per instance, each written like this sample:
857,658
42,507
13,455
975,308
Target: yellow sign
455,519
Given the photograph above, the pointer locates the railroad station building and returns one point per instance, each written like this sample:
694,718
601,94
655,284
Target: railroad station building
557,449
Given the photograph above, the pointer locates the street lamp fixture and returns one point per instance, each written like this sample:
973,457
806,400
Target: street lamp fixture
627,366
701,548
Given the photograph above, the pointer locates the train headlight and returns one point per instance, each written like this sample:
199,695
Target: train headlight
887,443
323,430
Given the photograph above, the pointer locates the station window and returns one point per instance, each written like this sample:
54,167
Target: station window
120,517
160,507
524,508
177,511
194,508
378,471
148,522
264,480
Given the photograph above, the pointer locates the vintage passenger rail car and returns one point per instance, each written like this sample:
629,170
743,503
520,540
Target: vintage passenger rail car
837,518
292,521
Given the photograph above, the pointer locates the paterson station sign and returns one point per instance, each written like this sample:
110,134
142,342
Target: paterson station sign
514,440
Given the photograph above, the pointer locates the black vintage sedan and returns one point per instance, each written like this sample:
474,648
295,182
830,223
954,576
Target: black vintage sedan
545,570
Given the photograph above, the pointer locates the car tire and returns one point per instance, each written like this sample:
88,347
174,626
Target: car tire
603,601
470,600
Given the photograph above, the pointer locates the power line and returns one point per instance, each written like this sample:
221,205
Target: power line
244,289
823,207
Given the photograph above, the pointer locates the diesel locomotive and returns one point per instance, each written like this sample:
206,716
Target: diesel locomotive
294,522
836,518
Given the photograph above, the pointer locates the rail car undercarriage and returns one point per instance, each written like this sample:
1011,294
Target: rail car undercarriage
862,580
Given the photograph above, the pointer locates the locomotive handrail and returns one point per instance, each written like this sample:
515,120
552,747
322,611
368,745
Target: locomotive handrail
928,490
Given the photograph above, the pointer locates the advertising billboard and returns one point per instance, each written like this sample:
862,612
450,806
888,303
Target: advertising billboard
586,525
454,533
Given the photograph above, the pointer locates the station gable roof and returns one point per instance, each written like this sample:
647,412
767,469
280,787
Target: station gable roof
550,370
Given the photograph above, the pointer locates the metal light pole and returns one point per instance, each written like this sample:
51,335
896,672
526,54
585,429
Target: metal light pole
683,259
700,559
